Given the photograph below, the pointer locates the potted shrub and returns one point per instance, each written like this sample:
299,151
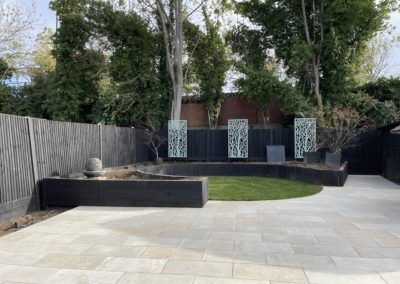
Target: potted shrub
344,126
154,140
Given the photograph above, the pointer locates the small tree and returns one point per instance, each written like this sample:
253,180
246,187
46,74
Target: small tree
345,127
154,139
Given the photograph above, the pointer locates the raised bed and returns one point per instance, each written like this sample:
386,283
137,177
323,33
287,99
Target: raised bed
314,175
57,191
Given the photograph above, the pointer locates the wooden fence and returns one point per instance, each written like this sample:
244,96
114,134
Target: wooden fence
391,156
365,157
31,149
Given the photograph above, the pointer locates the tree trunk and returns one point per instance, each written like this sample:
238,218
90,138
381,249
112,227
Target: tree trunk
177,102
174,54
316,84
315,56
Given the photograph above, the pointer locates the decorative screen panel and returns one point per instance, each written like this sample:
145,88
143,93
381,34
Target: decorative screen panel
305,130
177,138
238,138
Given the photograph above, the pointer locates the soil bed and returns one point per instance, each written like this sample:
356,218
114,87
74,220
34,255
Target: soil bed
24,221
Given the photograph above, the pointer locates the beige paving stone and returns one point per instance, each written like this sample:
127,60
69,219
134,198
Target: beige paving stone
236,236
85,230
172,233
207,244
69,261
299,260
140,265
213,227
325,250
25,274
269,273
235,256
101,239
343,277
68,276
391,277
173,253
357,226
249,246
260,229
152,242
388,242
198,268
217,280
41,228
112,250
19,258
367,264
289,238
364,233
378,252
346,241
141,278
42,248
50,238
15,236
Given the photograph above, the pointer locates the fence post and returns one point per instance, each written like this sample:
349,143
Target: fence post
134,144
34,160
100,141
208,144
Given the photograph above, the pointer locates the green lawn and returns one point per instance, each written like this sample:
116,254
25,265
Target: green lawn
257,188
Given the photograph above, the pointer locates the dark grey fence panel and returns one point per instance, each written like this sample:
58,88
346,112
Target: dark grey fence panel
260,138
365,157
391,157
118,146
64,147
143,153
16,171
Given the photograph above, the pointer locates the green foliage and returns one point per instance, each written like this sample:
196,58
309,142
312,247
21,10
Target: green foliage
132,92
339,31
260,82
210,64
384,89
261,86
78,68
7,100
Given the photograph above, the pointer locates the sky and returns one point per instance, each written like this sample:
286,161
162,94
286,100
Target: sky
48,18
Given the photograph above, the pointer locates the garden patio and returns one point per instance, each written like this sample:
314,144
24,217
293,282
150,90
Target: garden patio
341,235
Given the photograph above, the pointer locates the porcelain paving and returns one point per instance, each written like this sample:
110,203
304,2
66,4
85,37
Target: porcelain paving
84,276
343,277
142,278
341,235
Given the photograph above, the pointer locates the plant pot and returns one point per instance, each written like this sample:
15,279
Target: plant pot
158,161
332,159
312,157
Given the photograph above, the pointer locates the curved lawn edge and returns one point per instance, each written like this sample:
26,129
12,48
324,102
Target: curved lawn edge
249,188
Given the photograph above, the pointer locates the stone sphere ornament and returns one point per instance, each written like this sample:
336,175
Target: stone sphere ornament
93,168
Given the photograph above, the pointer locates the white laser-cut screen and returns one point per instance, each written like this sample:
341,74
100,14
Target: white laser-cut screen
238,138
177,138
305,130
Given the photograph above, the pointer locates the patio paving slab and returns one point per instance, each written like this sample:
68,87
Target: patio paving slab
341,235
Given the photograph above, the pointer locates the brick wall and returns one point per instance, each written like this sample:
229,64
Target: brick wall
233,107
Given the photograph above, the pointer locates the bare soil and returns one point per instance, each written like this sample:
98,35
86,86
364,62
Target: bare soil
24,221
125,173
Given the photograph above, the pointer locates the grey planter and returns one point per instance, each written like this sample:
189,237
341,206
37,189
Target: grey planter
312,157
333,160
